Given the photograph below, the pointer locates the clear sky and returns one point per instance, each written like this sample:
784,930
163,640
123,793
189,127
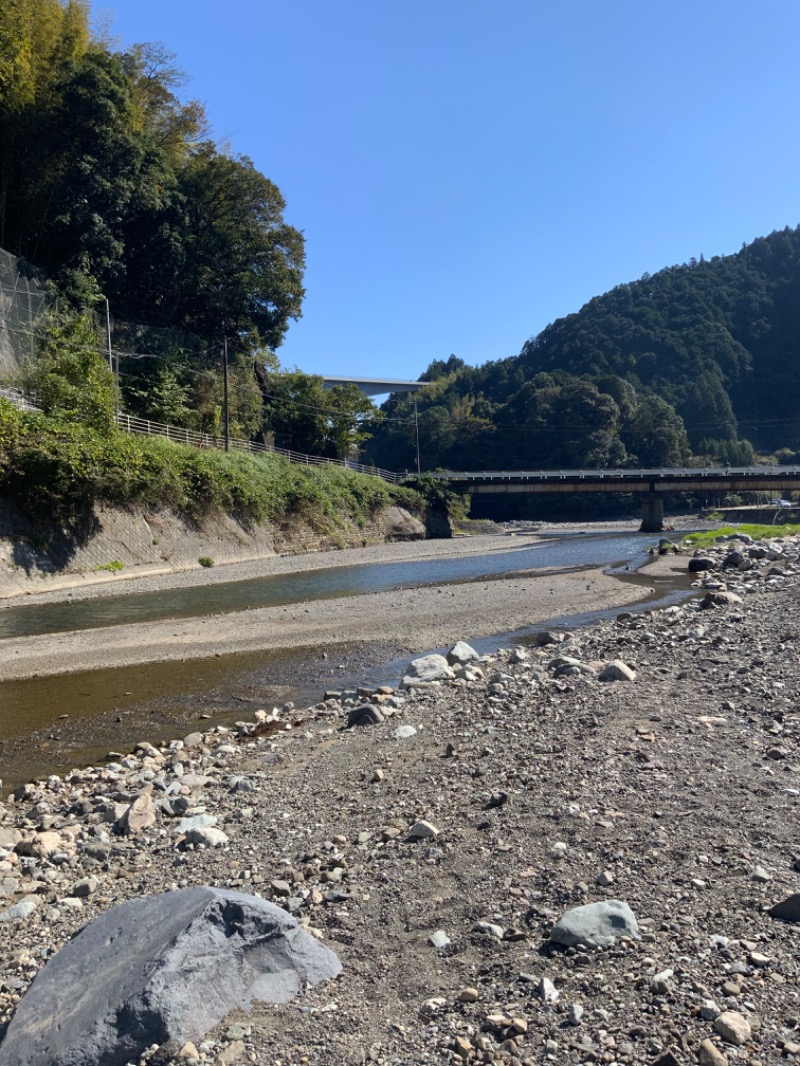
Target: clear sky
466,172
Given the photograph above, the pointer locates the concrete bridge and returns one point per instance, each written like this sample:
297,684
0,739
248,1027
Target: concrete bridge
652,485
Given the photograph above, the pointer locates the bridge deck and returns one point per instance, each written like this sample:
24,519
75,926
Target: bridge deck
661,480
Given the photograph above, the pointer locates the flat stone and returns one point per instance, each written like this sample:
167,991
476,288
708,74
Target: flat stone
14,914
595,924
180,962
41,845
616,670
208,836
439,939
403,732
196,821
366,714
719,598
489,929
423,830
547,636
700,563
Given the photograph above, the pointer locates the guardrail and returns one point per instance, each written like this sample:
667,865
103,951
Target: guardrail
620,474
144,427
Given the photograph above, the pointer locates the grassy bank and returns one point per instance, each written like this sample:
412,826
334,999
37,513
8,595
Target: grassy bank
60,470
757,532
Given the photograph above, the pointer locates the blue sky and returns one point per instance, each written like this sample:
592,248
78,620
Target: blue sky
466,172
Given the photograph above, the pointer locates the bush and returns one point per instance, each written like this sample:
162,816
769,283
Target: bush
56,469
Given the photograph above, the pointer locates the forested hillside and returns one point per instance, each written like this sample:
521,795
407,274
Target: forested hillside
697,360
113,186
112,183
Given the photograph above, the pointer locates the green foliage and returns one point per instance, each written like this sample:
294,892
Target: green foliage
439,494
172,388
206,560
640,375
757,532
114,566
106,175
727,452
71,378
55,469
304,416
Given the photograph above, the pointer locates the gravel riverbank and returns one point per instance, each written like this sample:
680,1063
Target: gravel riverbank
545,787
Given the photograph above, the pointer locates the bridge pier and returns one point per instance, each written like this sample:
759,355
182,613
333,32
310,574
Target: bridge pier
652,513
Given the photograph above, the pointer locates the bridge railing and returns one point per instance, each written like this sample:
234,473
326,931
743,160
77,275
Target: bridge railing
650,474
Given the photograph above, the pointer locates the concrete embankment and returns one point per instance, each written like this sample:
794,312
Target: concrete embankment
115,544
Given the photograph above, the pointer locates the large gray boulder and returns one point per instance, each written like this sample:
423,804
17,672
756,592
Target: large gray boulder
461,653
166,967
426,669
596,924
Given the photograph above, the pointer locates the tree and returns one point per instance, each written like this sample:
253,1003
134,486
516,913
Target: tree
305,417
655,434
71,378
243,267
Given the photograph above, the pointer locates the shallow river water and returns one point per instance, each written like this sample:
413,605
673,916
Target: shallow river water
564,551
49,724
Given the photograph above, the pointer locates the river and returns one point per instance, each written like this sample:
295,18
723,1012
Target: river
48,724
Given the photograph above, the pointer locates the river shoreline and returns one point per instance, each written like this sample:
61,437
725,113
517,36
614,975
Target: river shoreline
545,788
69,697
415,619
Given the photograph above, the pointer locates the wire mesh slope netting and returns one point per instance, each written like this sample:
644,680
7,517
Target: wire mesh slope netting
23,301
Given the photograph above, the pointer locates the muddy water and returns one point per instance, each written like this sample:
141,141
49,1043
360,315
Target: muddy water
48,725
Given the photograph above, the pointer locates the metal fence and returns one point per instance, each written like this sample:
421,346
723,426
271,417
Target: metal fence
143,426
23,303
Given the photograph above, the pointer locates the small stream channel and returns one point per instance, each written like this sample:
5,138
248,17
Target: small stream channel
48,725
564,551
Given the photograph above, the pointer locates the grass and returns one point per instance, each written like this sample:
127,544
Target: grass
59,470
114,566
757,532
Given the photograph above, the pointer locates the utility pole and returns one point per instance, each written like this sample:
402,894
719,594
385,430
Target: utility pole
112,365
416,432
108,336
225,394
